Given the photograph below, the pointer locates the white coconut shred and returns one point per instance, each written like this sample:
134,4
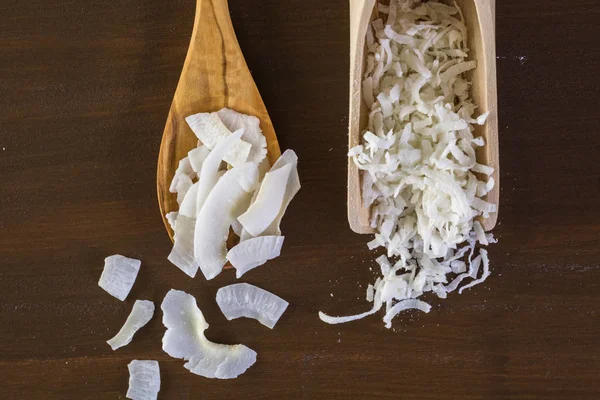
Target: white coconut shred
420,174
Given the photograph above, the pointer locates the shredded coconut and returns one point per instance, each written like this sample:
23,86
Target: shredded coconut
417,157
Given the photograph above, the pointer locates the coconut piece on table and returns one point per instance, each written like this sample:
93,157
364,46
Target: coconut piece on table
144,380
140,315
185,339
245,300
119,275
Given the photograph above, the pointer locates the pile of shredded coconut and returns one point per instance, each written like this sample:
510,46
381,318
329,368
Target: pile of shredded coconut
420,174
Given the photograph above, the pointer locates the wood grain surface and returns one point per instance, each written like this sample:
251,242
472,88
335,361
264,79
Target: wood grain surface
85,89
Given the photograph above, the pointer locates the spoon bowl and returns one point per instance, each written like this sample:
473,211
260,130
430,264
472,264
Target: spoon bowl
215,75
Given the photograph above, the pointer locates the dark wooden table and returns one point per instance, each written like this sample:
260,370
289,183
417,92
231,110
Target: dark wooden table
85,87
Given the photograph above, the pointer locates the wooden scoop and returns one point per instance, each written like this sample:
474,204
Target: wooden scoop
480,21
215,75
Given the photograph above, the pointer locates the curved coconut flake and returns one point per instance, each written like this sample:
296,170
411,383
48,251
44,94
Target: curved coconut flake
289,157
144,380
185,339
182,254
197,157
245,300
486,271
217,214
404,305
269,201
377,304
188,205
119,275
234,120
209,174
253,252
184,168
140,315
211,131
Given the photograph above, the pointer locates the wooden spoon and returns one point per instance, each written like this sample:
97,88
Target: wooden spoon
215,75
480,21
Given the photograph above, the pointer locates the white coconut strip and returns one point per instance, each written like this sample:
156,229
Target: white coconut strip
458,69
480,233
119,275
197,157
341,320
185,339
187,207
234,120
144,380
292,187
209,128
140,315
184,168
182,254
404,305
268,203
253,252
245,300
217,214
486,271
209,175
472,273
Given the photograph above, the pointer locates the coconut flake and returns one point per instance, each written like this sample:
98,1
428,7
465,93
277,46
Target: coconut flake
268,203
209,128
404,305
187,207
253,252
185,339
486,271
144,380
209,175
184,168
197,157
253,135
245,300
292,187
182,254
119,275
217,214
140,315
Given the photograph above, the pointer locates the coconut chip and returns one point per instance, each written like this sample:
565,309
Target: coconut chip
268,203
209,128
245,300
144,380
185,339
140,315
119,275
217,214
254,252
